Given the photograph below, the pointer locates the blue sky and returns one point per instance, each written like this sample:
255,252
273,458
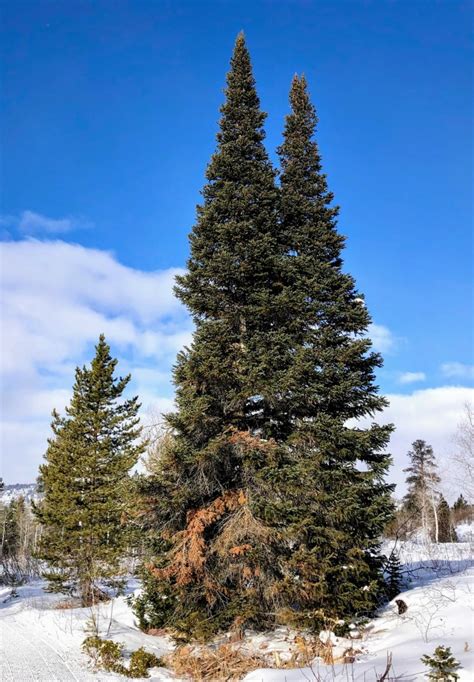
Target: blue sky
109,117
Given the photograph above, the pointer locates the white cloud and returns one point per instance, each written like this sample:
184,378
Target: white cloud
431,414
411,377
29,222
56,300
458,369
382,338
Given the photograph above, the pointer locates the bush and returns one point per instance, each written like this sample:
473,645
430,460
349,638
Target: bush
107,655
141,661
104,653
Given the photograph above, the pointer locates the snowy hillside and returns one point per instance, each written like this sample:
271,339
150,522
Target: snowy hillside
12,492
42,642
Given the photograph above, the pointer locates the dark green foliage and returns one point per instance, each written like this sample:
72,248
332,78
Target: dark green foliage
460,503
462,511
86,479
442,665
108,655
266,507
337,501
393,575
446,530
104,653
11,528
216,559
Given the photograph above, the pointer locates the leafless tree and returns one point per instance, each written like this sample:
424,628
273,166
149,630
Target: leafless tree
463,456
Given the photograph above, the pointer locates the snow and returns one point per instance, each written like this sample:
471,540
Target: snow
439,596
465,532
14,491
40,642
43,643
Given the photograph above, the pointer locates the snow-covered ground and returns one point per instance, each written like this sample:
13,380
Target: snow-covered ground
439,595
41,642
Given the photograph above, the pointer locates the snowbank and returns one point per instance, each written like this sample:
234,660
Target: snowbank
43,643
439,596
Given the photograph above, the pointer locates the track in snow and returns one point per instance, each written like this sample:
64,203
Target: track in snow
29,654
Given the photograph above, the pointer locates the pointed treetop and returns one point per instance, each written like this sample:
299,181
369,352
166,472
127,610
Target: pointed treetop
300,101
240,75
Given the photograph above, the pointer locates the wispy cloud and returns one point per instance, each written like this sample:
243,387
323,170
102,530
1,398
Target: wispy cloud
56,300
411,377
457,370
30,222
432,414
382,338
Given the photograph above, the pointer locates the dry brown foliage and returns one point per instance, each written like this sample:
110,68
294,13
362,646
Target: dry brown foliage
66,604
231,661
247,442
222,663
189,554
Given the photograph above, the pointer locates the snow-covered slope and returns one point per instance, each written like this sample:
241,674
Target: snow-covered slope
439,595
41,642
12,492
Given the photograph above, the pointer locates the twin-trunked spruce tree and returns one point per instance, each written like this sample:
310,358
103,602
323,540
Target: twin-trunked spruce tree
267,507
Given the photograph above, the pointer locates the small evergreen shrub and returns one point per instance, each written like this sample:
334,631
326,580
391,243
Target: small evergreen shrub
393,576
442,665
107,655
141,661
104,653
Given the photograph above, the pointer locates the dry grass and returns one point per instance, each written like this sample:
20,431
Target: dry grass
231,661
223,663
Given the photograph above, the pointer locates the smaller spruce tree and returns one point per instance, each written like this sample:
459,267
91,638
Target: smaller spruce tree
446,531
421,497
86,478
393,575
442,665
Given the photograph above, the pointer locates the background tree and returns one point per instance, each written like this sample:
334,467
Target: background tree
446,530
462,511
422,481
19,537
86,479
463,457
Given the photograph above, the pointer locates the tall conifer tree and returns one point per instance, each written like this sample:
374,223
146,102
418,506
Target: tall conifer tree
268,506
340,502
85,480
215,554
